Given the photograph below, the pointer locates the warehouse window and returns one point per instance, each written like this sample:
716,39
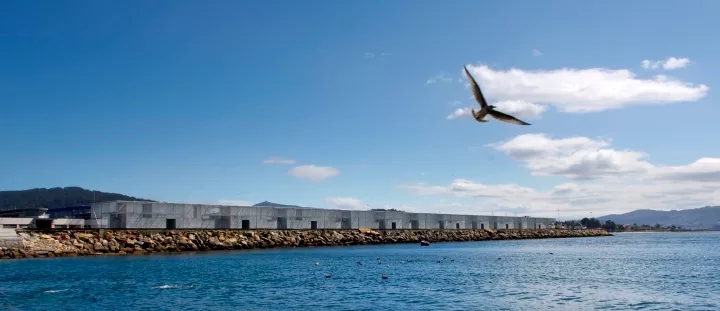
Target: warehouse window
147,210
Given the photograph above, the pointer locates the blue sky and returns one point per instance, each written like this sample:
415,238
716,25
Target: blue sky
182,101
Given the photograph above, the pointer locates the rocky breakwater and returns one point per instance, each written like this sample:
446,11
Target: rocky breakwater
119,242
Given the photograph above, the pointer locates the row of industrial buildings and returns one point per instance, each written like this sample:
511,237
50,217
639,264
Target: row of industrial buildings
161,215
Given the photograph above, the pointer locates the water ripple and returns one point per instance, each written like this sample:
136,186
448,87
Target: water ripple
656,271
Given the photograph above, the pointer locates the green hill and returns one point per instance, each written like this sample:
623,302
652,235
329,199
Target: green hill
57,197
707,217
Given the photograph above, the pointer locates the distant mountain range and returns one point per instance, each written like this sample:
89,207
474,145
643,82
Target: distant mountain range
697,218
57,197
271,204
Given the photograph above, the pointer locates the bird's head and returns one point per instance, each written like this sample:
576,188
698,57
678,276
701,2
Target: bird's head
491,106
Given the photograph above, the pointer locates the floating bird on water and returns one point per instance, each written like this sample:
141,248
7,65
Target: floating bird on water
328,275
486,109
384,276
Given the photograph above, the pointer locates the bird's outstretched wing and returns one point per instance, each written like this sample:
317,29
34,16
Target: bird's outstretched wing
506,118
475,89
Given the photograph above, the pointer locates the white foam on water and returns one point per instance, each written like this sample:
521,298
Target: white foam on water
168,286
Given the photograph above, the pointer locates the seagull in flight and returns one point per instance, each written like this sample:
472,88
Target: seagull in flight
486,109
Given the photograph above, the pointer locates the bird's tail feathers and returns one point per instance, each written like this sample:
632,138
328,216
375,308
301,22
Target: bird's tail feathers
476,115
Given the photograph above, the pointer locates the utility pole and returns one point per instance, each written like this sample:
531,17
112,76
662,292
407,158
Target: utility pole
558,218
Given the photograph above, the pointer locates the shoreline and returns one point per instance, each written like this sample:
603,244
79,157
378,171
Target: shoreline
103,242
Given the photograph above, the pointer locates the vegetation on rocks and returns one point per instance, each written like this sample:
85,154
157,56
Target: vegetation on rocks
55,243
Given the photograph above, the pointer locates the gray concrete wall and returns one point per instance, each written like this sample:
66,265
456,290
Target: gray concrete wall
544,223
129,214
504,222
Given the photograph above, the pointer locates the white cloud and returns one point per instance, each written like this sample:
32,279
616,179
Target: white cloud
235,202
647,64
572,199
313,172
438,78
583,158
606,181
675,63
702,170
583,90
278,160
369,55
574,157
517,108
535,52
346,203
521,109
459,113
671,63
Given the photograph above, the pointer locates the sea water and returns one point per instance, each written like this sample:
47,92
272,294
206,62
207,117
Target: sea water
631,271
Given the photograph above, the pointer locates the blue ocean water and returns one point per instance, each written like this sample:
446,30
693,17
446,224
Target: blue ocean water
632,271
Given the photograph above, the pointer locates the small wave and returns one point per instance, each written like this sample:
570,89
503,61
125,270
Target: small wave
168,286
53,291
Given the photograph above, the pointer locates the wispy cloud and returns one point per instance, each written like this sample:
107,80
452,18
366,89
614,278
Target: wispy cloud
346,203
279,160
438,78
314,172
536,52
671,63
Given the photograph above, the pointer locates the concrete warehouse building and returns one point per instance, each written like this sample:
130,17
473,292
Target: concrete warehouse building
155,215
